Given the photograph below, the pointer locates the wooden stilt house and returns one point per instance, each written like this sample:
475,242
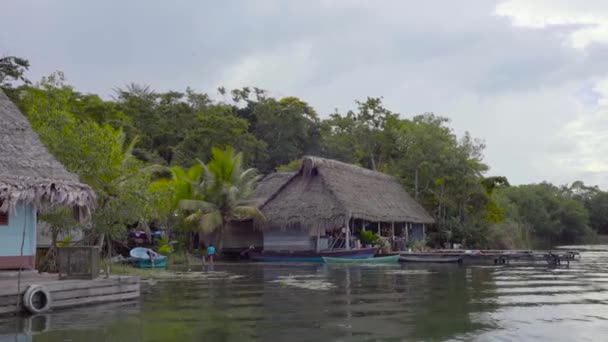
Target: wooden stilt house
326,204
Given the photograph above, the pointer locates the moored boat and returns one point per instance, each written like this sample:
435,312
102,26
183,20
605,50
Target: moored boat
312,256
378,260
431,259
147,258
157,263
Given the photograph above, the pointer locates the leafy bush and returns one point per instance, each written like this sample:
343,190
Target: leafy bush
383,245
166,247
368,237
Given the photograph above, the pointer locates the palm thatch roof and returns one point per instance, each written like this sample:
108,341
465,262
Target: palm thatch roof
325,193
29,173
270,184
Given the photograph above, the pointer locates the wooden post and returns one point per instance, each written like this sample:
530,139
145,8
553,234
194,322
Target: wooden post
393,244
423,231
379,229
362,225
352,229
347,233
318,239
407,232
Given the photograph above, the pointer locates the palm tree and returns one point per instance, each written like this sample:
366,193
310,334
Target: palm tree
226,187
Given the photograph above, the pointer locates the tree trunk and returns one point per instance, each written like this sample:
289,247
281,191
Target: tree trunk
371,154
108,267
416,184
220,243
100,242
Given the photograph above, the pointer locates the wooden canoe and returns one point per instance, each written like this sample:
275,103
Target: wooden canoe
312,256
379,260
431,259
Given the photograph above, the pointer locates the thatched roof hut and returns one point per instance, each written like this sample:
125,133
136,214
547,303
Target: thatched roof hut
269,185
29,174
327,193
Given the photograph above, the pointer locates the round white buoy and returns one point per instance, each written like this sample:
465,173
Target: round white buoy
37,299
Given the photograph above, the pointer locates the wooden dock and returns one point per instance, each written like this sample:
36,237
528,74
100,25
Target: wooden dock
499,257
64,293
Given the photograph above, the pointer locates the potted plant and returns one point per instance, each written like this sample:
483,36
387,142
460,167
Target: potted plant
368,239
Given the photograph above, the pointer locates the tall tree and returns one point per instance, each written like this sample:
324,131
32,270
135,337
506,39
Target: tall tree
12,69
99,154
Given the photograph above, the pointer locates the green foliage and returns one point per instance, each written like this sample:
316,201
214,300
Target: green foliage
288,127
225,189
13,68
368,237
292,166
98,153
553,216
65,242
383,245
217,127
60,221
417,246
165,247
598,212
140,153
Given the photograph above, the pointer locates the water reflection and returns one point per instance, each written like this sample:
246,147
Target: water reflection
282,302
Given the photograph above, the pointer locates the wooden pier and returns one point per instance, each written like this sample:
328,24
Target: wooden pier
62,293
497,257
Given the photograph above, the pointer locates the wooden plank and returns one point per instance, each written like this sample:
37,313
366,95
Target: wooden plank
9,300
7,309
318,239
347,240
84,284
95,300
9,288
91,292
74,290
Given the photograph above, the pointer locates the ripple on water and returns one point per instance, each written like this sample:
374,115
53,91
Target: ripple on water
308,282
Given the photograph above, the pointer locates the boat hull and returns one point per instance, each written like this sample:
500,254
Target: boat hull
147,258
393,259
431,260
311,256
147,263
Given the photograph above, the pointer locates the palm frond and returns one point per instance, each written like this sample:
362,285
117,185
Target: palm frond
248,212
211,221
194,217
196,205
195,173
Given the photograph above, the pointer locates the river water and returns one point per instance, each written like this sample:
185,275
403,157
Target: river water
272,302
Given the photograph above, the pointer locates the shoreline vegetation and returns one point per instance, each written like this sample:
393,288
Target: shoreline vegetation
188,162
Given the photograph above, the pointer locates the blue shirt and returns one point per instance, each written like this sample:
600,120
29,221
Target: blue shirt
210,250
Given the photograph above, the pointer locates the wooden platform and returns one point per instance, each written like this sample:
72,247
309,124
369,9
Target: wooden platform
501,257
66,293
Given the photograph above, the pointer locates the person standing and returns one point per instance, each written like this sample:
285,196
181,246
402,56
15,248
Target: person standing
210,253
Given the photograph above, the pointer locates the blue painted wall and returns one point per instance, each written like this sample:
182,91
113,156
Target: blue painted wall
10,236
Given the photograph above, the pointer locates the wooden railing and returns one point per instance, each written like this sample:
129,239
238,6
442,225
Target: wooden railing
78,262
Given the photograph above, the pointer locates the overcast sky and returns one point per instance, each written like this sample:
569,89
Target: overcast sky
530,77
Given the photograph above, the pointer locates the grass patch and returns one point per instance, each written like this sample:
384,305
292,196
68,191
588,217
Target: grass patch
143,273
